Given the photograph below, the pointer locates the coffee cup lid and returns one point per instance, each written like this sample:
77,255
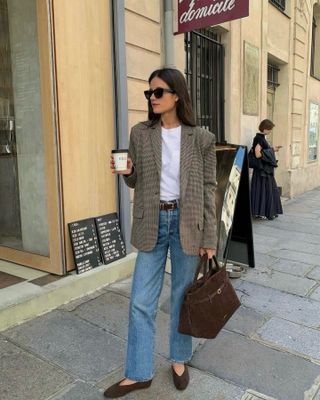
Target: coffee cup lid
120,151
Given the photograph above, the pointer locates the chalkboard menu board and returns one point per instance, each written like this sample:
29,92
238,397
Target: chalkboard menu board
85,245
111,242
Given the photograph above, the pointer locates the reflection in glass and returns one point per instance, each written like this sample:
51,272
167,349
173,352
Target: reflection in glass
228,183
23,213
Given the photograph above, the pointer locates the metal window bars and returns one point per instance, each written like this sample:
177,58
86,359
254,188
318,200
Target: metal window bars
205,78
280,4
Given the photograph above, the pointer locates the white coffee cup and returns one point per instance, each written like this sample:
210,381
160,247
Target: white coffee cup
120,159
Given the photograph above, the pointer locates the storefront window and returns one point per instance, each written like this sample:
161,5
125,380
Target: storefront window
23,211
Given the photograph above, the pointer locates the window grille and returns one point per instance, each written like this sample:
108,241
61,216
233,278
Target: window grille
205,78
280,4
273,76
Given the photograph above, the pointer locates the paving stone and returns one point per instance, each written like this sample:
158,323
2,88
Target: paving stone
282,235
298,256
289,335
263,260
295,225
316,294
123,287
292,267
245,321
314,274
110,312
234,358
202,386
85,350
272,302
305,249
26,377
295,213
253,395
79,391
314,392
278,280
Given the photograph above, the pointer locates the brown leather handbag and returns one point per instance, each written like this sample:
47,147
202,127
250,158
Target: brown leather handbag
208,302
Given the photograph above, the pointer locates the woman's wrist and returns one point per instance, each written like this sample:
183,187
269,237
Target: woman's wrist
132,170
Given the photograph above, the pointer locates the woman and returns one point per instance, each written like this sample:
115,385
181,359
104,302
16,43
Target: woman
265,198
171,167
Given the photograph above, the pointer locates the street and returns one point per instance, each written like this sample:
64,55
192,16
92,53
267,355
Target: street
268,350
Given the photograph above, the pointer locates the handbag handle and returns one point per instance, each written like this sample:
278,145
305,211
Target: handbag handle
203,265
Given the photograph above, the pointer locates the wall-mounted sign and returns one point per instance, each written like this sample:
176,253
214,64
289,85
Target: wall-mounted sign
313,131
195,14
251,79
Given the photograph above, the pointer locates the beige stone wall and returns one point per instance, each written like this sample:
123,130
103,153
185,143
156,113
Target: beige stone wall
282,38
304,175
143,52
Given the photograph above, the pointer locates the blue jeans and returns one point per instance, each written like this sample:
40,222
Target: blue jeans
146,288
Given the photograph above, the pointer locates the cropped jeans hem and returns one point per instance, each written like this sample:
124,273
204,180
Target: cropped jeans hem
134,378
181,362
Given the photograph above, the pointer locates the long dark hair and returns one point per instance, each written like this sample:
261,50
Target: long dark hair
176,81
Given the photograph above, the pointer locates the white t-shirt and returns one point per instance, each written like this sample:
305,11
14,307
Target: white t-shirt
170,169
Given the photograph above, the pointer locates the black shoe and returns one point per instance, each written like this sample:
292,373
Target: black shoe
181,382
116,390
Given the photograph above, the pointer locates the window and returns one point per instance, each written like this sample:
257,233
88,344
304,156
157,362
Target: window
315,43
23,206
280,4
273,76
205,77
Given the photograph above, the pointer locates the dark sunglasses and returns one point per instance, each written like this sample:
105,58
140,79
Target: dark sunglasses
158,92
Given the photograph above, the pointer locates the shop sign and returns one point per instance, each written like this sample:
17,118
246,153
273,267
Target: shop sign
195,14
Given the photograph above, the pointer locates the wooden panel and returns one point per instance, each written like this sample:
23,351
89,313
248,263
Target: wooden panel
86,112
30,260
56,251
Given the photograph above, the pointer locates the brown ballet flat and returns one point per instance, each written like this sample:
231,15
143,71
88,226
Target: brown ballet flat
116,390
181,382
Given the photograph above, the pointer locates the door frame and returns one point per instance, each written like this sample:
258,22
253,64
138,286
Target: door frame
55,261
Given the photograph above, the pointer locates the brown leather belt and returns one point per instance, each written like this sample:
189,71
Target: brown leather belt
168,205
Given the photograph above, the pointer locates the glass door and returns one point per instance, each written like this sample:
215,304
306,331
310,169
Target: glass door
23,212
29,183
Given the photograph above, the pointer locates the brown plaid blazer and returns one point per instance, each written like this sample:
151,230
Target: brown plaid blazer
197,187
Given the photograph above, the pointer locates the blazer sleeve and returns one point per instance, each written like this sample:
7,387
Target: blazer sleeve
209,237
130,180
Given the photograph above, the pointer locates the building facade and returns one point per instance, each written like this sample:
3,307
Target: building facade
72,76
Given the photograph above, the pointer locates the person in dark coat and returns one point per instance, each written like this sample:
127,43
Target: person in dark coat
265,197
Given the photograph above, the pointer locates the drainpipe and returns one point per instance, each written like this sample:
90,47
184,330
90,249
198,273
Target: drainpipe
168,33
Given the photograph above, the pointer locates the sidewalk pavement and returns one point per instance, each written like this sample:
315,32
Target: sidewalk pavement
270,349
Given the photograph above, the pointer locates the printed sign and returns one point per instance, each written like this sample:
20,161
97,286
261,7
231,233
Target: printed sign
195,14
85,245
111,243
96,241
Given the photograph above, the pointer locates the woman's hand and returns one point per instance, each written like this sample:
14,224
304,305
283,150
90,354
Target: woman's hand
276,148
127,171
209,252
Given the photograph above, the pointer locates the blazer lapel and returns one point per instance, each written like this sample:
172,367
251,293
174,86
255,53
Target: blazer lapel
187,140
156,140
